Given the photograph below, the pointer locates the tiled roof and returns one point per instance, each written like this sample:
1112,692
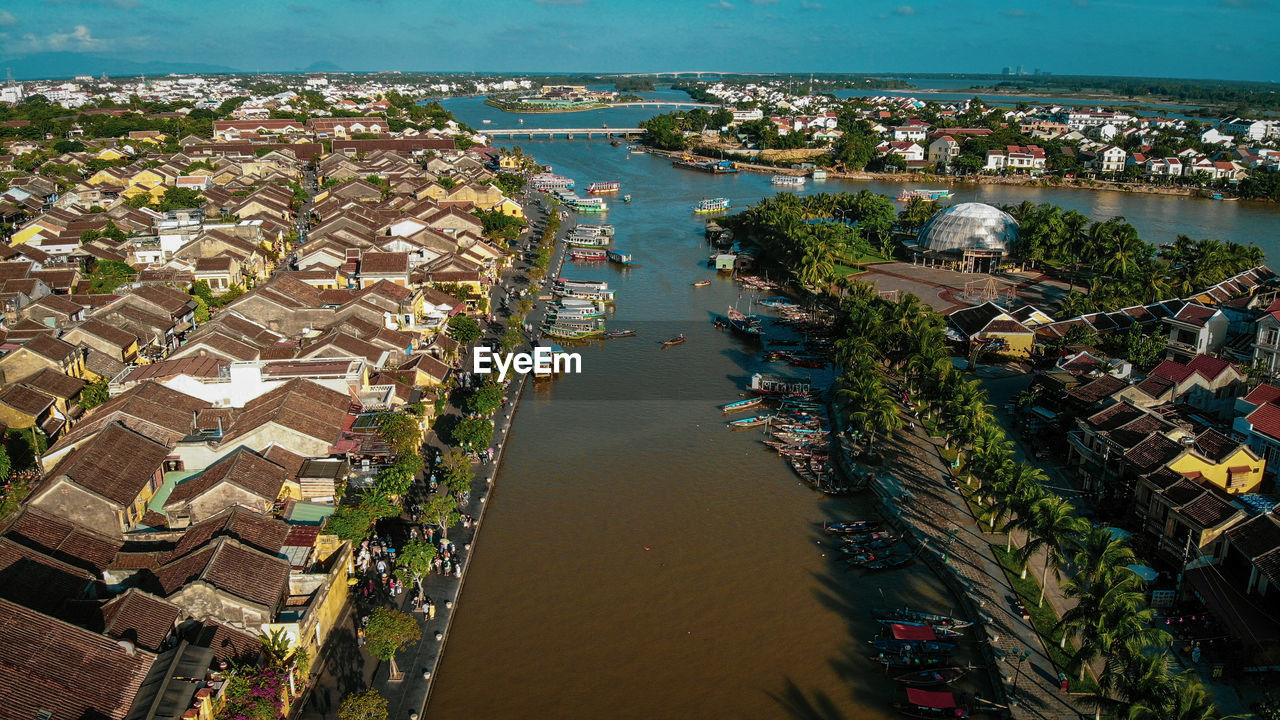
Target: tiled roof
1095,390
1208,367
1194,314
1173,370
112,334
250,528
1214,445
63,540
141,618
150,408
1113,417
50,348
74,674
242,467
1152,453
1135,431
1209,510
117,464
226,564
1156,386
38,581
1264,393
1266,420
26,400
227,644
300,405
52,382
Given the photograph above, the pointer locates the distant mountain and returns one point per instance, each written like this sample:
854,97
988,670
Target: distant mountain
41,66
321,66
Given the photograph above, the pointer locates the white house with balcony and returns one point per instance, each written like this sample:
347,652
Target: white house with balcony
1110,159
1266,346
1194,330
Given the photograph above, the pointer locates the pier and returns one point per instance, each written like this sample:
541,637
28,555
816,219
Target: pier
569,133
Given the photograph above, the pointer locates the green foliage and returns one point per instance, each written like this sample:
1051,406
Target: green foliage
498,225
390,631
401,432
473,433
441,509
201,311
509,183
664,132
108,275
1144,351
458,474
511,339
364,705
233,292
414,561
464,329
94,394
68,146
201,289
23,448
176,198
255,694
447,183
486,399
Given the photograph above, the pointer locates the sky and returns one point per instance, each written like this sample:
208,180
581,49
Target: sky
1162,38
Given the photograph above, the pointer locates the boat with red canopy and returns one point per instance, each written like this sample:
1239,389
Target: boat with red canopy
931,704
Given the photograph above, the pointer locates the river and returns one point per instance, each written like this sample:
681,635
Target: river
639,560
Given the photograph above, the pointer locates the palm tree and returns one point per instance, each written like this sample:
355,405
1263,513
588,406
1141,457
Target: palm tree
1075,235
1189,700
1017,488
1053,525
1135,678
1100,555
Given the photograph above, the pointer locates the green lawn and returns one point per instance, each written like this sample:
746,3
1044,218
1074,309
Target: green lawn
844,271
1042,619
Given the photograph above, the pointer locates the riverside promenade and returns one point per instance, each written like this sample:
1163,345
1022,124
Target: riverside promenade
915,497
407,698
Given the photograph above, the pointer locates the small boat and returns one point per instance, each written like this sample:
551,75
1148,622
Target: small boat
616,143
635,149
741,405
619,257
626,198
710,205
926,195
846,528
774,385
787,180
780,302
749,422
916,647
923,631
921,617
935,676
486,122
702,283
922,703
673,341
591,229
620,333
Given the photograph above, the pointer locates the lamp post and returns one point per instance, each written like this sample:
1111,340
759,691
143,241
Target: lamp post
1021,656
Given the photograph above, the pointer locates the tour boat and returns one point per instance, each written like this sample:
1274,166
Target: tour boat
749,422
741,405
598,241
926,195
710,205
707,166
589,205
626,198
673,341
745,325
486,122
773,385
635,149
611,186
787,180
702,283
620,333
550,182
573,328
619,257
587,254
594,229
910,615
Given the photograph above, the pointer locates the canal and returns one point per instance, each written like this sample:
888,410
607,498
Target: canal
638,559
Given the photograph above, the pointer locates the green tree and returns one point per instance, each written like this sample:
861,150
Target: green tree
1053,526
401,432
389,631
201,311
201,289
464,329
440,509
458,474
486,399
364,705
94,394
414,562
473,433
176,198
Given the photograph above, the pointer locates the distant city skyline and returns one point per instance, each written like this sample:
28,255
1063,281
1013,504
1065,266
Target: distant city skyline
1068,37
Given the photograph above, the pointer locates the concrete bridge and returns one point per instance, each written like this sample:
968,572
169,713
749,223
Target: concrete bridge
694,73
569,133
665,103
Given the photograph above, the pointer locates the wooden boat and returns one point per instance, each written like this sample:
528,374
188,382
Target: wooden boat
626,198
932,677
620,333
921,617
587,254
856,526
673,341
702,283
930,632
910,661
773,385
741,405
749,422
922,703
917,647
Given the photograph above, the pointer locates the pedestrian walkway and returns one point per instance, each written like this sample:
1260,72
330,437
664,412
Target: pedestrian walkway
936,517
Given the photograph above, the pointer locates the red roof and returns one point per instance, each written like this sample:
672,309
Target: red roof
1209,367
1173,370
913,632
1266,420
1263,394
940,699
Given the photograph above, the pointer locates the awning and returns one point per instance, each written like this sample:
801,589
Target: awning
939,699
1144,572
913,632
1240,614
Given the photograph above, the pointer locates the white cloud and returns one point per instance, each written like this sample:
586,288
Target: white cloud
904,10
7,18
80,39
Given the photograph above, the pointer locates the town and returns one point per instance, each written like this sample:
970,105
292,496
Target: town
265,335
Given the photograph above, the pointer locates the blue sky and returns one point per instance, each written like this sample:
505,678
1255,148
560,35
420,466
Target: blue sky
1167,38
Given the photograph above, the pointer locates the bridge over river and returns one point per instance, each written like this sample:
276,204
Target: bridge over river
570,133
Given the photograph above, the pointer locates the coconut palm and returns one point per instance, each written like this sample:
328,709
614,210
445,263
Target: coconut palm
1188,700
1100,555
1053,526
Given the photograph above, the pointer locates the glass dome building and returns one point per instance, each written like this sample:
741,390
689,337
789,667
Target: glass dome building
971,237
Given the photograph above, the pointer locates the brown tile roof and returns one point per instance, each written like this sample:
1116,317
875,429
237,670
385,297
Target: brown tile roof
1257,536
300,405
63,540
152,409
26,400
72,673
52,382
1113,417
1093,391
116,336
1194,314
228,644
226,564
117,464
141,618
291,462
50,348
1214,445
195,366
253,529
384,263
1153,453
243,467
1263,394
1266,420
1209,510
40,582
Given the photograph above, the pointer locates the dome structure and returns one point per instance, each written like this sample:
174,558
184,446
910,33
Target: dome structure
969,227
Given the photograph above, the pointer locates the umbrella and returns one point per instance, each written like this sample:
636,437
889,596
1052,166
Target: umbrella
1144,572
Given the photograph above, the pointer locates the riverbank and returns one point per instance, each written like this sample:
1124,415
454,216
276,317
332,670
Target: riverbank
534,110
966,181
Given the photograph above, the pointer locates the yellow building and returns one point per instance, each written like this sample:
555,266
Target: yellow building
988,324
509,162
510,208
1217,460
110,154
317,600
